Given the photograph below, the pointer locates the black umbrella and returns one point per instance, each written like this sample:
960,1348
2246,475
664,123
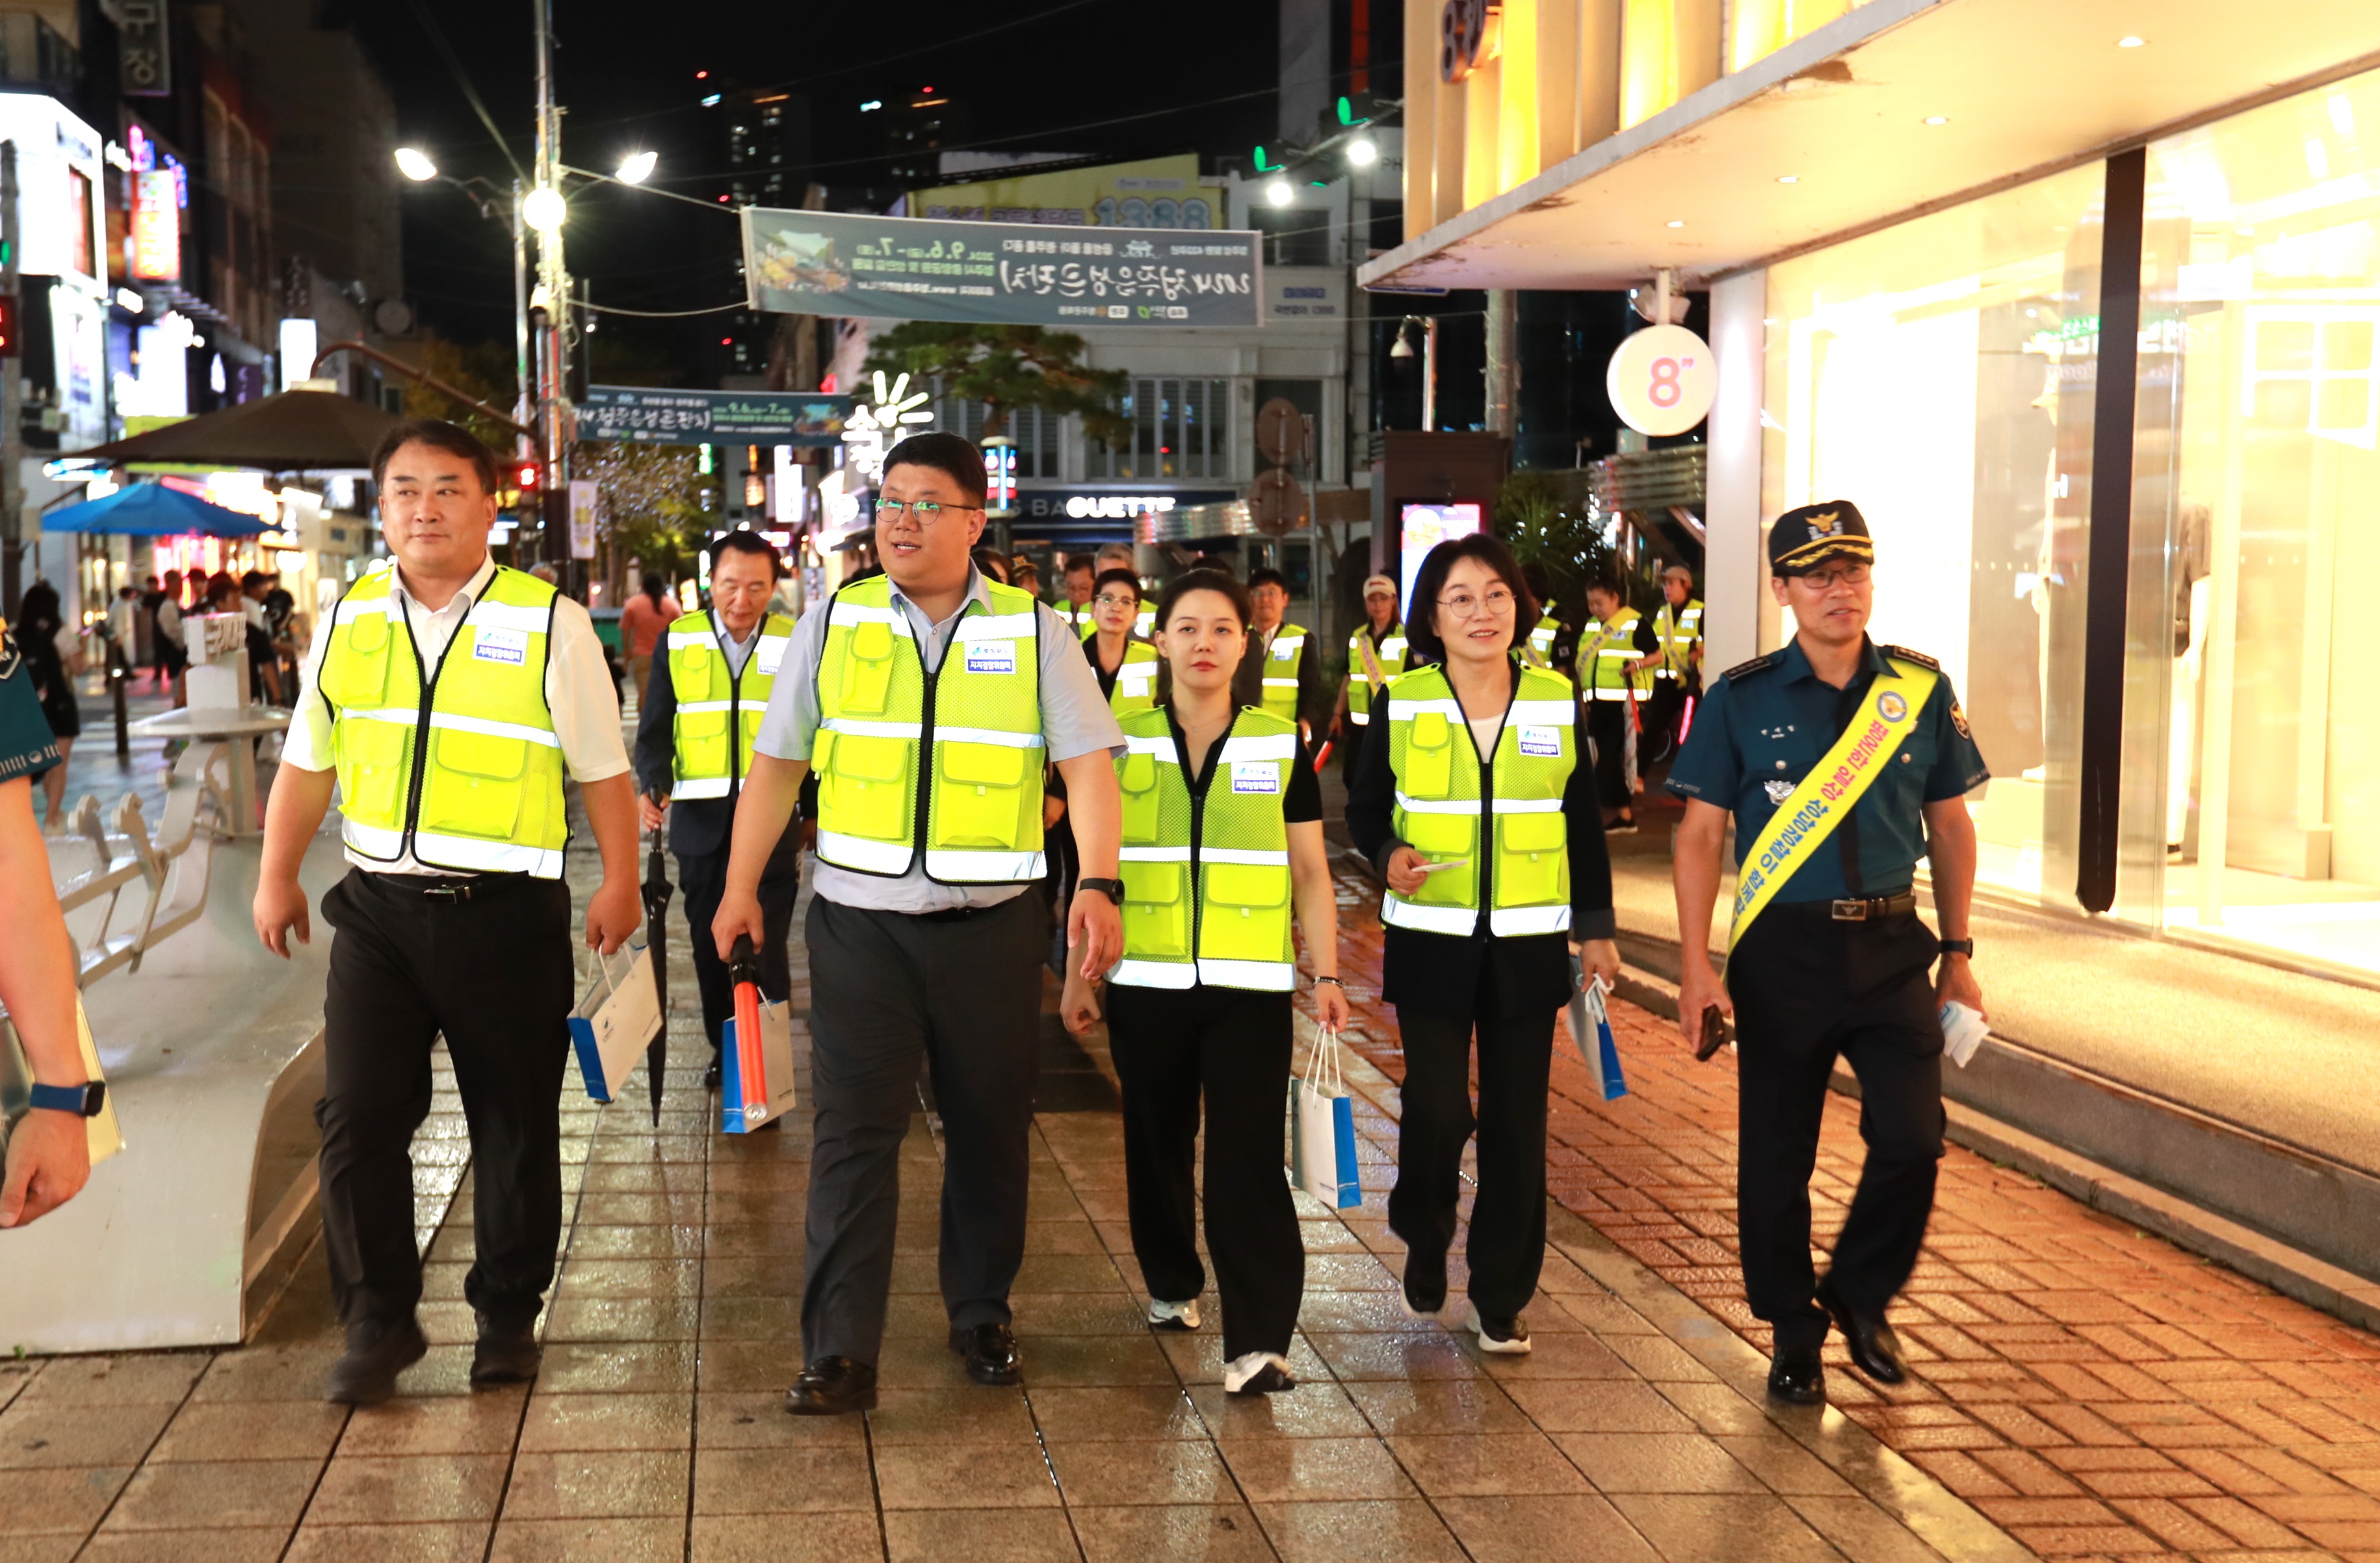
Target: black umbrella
656,899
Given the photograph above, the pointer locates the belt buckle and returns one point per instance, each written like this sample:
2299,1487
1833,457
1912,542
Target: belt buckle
1850,911
452,893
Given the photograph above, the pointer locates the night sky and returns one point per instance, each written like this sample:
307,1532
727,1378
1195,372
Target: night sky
1050,77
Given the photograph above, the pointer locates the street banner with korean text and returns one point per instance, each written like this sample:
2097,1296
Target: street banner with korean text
1026,274
712,417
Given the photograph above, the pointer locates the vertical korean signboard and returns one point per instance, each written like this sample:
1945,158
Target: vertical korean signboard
156,227
582,518
144,52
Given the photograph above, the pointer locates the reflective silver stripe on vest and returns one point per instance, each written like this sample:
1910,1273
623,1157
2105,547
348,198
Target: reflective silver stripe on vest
397,716
854,613
1153,854
983,867
1405,710
1360,719
1136,972
1277,976
874,729
1242,854
1404,913
1529,806
712,787
1271,746
689,707
1438,806
996,627
987,735
489,857
1541,713
1160,747
1513,922
858,852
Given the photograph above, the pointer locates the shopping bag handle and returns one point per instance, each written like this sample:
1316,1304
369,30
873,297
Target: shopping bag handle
1322,1066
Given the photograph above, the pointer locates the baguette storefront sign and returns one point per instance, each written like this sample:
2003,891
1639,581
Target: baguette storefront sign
925,268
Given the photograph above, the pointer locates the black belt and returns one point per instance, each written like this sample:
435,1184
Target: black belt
1873,909
468,886
956,913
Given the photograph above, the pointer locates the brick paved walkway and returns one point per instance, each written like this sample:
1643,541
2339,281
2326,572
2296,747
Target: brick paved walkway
2098,1392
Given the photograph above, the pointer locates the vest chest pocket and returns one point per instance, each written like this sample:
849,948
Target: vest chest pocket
1532,850
373,768
978,789
1443,837
357,673
1233,888
869,780
1428,771
699,675
474,788
867,668
702,743
1156,909
1137,778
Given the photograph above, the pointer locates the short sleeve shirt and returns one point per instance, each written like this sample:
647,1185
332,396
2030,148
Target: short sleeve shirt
27,747
1765,726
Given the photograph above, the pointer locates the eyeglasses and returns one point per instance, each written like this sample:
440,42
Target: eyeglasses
1848,575
1462,605
1109,600
924,512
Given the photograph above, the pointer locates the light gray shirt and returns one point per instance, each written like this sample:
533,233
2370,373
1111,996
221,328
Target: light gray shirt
1074,721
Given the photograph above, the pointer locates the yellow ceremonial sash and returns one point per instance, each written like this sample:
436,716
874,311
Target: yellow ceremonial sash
1833,786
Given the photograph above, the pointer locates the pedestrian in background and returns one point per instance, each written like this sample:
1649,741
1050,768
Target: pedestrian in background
53,658
642,619
173,648
453,920
1837,965
694,728
1676,663
1475,803
49,1148
928,700
1608,650
1199,1004
1082,584
1376,653
1279,672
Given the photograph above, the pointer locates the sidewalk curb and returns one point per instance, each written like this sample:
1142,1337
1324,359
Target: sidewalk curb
2290,1271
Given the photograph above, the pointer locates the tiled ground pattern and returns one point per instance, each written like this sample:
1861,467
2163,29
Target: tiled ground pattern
2098,1392
655,1431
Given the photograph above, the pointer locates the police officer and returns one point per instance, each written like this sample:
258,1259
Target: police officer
1608,649
1842,762
700,711
928,700
446,699
1376,653
1676,663
1279,672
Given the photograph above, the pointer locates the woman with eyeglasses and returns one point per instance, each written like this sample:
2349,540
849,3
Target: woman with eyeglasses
1126,664
1475,800
1222,839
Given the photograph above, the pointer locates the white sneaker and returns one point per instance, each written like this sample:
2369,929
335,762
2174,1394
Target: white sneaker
1508,1336
1173,1316
1258,1372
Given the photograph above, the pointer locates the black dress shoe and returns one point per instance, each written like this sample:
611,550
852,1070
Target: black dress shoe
833,1387
1876,1351
1798,1376
710,1075
991,1353
366,1376
1425,1285
506,1354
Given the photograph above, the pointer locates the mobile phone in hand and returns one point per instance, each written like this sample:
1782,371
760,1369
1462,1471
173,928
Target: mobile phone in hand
1715,1034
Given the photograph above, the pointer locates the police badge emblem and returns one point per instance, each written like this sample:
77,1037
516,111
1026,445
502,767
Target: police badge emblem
1777,789
1890,706
1959,720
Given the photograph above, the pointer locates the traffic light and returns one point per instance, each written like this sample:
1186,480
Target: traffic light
526,476
10,346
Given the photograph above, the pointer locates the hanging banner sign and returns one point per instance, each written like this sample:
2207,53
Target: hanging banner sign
156,227
712,417
145,53
925,268
582,518
1662,379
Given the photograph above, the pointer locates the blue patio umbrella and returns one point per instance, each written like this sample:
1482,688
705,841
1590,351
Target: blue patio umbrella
152,510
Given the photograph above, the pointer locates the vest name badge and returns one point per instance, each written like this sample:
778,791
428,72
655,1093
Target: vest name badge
991,656
1544,742
1256,776
1284,651
490,644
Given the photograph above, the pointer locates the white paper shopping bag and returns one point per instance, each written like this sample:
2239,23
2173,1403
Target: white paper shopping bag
16,1081
616,1020
1322,1129
755,1084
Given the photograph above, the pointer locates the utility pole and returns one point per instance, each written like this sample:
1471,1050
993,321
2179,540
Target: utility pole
12,404
1503,361
553,289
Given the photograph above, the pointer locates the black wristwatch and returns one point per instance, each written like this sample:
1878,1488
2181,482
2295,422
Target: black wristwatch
1959,947
84,1100
1111,888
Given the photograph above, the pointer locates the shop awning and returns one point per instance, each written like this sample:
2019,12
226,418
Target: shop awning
295,432
2019,87
152,510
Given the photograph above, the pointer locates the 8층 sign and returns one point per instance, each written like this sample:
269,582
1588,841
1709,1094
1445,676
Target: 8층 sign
923,269
1662,379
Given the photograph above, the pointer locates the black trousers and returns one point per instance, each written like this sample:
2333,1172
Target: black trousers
1662,711
702,879
887,990
1806,989
1607,723
1233,1047
1508,1214
492,974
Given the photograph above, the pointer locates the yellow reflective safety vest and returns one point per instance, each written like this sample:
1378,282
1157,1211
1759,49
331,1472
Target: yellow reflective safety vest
1604,652
1144,627
1080,619
1135,680
1389,654
1280,669
1206,881
1679,630
1440,814
951,756
464,765
1540,652
718,709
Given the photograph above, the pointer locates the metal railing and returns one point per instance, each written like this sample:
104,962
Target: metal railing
173,879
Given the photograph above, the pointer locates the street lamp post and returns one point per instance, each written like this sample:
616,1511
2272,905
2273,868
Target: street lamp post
497,206
545,210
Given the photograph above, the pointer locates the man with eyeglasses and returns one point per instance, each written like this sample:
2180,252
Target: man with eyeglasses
928,700
1842,762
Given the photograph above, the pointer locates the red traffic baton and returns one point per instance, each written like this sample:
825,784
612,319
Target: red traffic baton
744,971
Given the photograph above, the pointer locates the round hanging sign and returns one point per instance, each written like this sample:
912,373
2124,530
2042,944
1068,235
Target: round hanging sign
1662,379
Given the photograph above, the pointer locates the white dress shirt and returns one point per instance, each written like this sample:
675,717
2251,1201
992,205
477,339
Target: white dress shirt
578,691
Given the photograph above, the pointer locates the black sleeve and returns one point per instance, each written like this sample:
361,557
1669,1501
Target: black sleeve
656,732
1371,798
1301,799
1310,704
807,806
1591,916
1646,641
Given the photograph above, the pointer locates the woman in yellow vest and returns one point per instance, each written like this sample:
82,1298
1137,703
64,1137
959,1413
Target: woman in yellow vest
1223,836
1479,811
1126,664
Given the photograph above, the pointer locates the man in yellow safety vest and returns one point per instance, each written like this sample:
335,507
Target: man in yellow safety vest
699,714
446,699
1376,653
1280,671
1676,664
1608,650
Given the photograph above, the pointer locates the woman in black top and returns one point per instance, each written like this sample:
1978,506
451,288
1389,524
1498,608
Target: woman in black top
54,660
1469,602
1115,606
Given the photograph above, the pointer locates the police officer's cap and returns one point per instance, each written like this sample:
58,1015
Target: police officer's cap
1808,535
